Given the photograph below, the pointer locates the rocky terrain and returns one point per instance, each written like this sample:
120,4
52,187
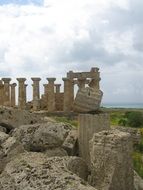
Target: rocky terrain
38,153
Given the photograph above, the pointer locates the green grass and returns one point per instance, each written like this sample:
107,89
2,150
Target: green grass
138,162
72,122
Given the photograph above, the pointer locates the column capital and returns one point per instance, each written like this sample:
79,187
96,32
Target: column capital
35,79
57,85
21,79
13,85
51,79
66,79
6,80
45,85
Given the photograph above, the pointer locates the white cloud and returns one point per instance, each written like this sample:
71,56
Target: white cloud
67,35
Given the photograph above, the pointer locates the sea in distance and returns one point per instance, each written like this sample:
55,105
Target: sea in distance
123,105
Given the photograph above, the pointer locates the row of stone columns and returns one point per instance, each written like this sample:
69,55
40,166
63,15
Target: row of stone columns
7,92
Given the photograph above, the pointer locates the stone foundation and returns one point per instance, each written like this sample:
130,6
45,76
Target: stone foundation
88,125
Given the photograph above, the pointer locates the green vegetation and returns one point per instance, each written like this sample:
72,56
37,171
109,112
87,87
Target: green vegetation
127,118
138,162
131,118
123,117
72,122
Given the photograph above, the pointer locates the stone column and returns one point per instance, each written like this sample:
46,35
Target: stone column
57,88
1,92
21,93
6,91
36,93
81,83
25,94
88,125
45,89
68,94
95,79
51,94
13,103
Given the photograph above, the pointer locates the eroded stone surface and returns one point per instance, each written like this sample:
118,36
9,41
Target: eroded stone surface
87,99
40,137
138,182
71,143
33,171
111,162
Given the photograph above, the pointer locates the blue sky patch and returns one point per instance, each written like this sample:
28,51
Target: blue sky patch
22,2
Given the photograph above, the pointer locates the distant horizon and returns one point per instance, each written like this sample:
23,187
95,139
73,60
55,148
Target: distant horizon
122,105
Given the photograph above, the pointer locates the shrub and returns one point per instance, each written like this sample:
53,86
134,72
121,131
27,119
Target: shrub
134,119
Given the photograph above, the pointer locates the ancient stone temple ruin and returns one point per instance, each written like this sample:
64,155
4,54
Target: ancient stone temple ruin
53,99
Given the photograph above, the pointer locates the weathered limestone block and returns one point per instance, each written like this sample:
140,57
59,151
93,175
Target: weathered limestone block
134,132
88,125
87,100
111,161
41,137
71,143
34,171
78,166
60,152
3,137
138,182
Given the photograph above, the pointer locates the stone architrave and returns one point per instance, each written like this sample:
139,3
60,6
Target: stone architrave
6,91
13,101
68,94
81,83
21,93
36,93
1,92
57,88
51,94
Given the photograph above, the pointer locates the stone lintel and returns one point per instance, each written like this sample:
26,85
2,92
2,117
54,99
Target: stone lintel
6,80
81,74
35,79
21,79
51,79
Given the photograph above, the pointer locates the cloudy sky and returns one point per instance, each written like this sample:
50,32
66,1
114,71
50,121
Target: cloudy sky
47,38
